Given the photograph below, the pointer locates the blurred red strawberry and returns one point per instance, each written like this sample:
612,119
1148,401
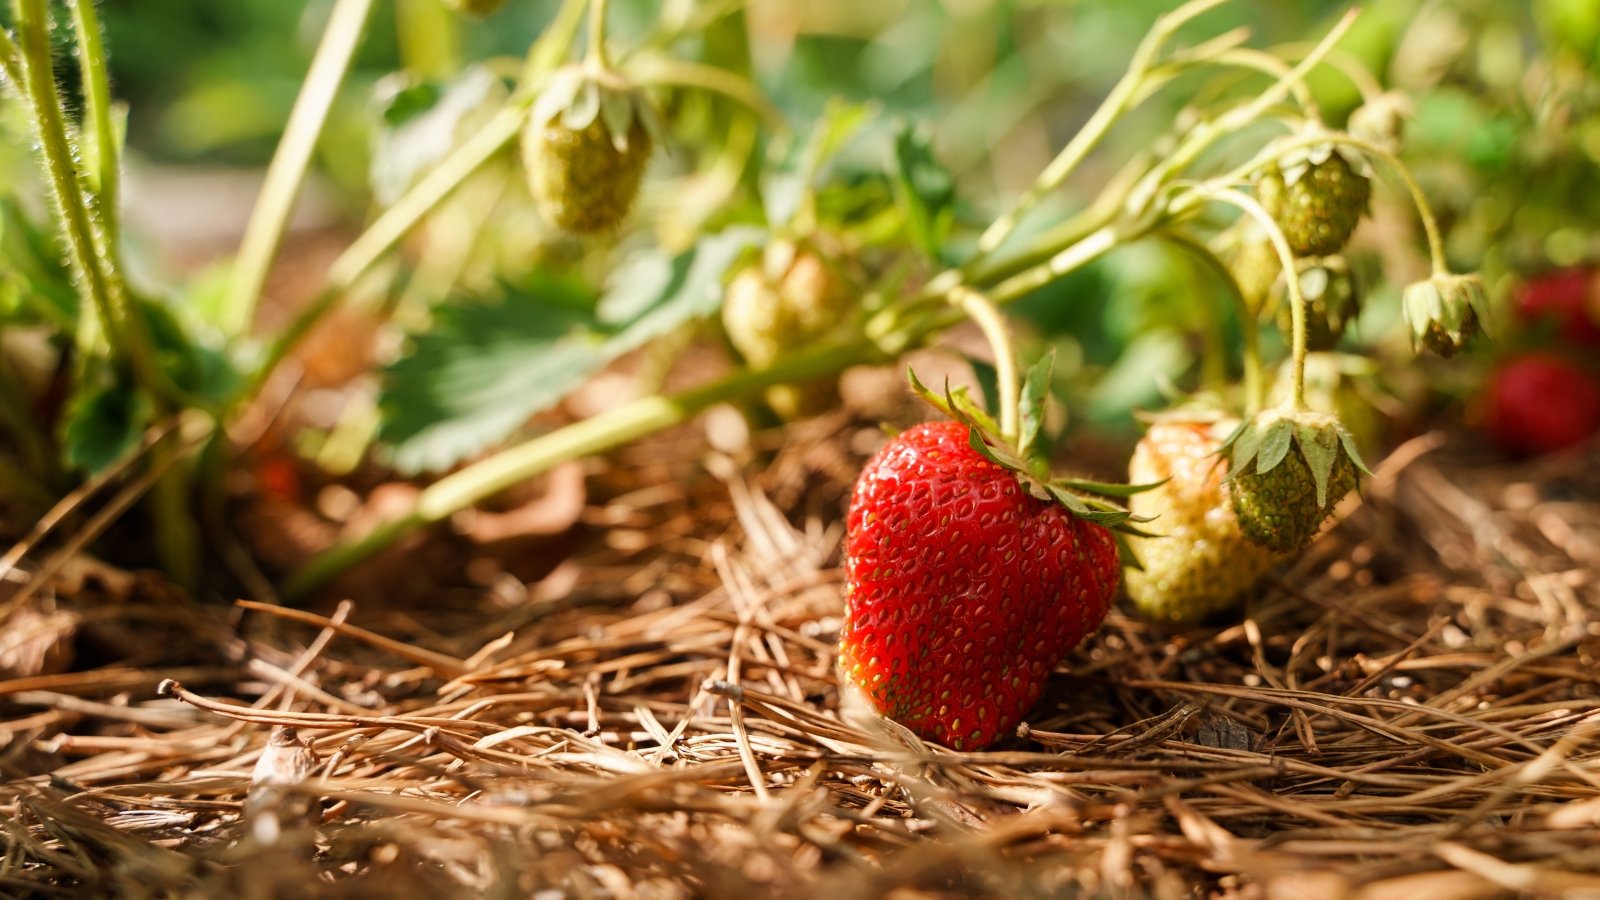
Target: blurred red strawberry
1569,298
1539,403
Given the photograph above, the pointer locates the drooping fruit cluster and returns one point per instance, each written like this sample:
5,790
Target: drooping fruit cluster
964,589
792,297
585,148
1317,197
1288,470
1539,402
1202,563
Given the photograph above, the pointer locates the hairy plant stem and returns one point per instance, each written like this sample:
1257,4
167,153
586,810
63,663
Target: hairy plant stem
268,221
91,248
50,130
106,176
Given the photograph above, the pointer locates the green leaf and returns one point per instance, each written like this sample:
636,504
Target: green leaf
32,266
485,368
1246,442
1320,447
199,368
104,419
1105,488
1348,441
420,123
926,393
1035,388
1275,444
924,190
967,410
976,442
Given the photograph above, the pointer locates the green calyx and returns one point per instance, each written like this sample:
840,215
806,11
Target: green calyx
1445,312
1026,458
1287,470
578,95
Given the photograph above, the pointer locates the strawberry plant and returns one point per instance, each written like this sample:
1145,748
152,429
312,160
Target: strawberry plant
844,242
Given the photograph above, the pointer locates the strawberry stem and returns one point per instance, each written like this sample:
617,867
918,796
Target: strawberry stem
1430,225
987,317
105,177
287,171
1255,393
597,34
1126,94
1291,278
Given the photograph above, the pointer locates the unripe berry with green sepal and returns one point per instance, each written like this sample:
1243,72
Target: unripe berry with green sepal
1317,197
585,149
1333,301
792,297
1288,470
1200,563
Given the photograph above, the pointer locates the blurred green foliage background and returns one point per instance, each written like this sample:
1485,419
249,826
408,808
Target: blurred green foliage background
1504,139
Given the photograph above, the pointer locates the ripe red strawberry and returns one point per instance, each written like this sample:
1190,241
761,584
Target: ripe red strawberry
1539,403
964,589
1570,298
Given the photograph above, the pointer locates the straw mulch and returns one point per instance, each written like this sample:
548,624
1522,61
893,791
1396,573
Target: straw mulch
1413,710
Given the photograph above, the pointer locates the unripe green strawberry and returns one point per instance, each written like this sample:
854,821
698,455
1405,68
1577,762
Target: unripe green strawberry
1256,268
585,149
478,9
1317,198
790,299
1445,312
1201,564
1288,470
1333,300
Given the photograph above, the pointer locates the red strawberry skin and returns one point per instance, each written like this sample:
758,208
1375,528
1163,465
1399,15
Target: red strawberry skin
1568,297
1539,403
963,590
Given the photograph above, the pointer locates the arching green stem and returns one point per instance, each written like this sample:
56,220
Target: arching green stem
287,171
1255,390
987,317
1297,300
1118,102
1205,135
597,34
